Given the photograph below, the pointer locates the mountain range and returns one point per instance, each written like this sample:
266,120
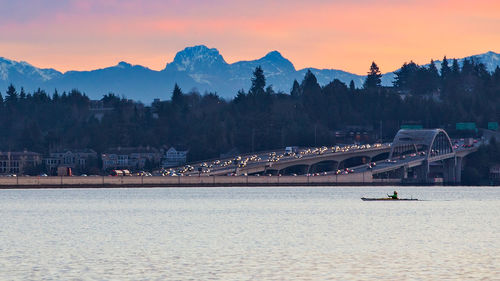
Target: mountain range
197,67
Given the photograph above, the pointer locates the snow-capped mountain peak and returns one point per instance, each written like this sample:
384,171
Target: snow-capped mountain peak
196,59
278,61
10,69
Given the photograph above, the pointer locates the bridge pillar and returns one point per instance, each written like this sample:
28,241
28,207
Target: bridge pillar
458,170
422,172
449,170
400,173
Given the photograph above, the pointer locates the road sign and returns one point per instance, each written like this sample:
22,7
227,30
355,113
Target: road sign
493,126
412,127
467,126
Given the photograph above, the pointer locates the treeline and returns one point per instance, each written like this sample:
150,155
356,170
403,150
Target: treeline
477,165
256,119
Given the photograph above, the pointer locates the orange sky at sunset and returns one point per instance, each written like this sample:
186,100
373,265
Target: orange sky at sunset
347,35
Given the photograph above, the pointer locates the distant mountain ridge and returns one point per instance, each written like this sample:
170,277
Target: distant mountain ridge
197,67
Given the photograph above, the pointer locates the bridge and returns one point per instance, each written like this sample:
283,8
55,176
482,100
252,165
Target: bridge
423,156
414,156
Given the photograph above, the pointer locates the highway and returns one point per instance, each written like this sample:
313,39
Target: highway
412,160
247,162
257,163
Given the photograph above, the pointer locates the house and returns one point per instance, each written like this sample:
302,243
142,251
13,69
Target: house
134,158
16,162
75,159
174,157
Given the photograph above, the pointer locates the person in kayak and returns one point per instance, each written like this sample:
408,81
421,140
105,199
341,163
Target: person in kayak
394,196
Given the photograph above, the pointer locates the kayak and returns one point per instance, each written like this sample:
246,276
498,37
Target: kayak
388,199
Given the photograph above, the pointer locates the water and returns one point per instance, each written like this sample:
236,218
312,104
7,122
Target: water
249,234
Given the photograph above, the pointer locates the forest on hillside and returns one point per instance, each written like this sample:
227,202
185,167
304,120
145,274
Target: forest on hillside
257,118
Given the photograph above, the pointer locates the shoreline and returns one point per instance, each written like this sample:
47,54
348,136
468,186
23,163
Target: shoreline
202,181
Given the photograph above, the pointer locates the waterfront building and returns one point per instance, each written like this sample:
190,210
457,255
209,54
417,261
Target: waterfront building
76,159
174,157
17,162
134,158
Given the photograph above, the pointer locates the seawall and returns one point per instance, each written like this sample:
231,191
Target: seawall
193,181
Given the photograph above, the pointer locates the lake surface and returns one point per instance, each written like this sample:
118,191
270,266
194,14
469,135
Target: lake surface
308,233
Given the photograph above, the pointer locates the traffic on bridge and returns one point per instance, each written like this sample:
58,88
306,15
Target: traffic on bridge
419,156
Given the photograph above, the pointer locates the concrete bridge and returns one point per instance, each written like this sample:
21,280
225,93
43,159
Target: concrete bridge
414,156
423,156
328,161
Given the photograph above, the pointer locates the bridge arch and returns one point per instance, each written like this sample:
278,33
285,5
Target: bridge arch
432,142
380,157
299,169
324,166
441,144
354,161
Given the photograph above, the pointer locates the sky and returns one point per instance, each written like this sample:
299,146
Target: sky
339,34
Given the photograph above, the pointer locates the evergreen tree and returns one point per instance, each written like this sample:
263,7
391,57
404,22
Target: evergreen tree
1,99
432,76
269,90
495,76
22,94
433,70
11,95
406,77
373,80
467,67
177,95
258,82
336,87
310,85
445,69
55,96
240,96
351,86
295,92
455,68
312,96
